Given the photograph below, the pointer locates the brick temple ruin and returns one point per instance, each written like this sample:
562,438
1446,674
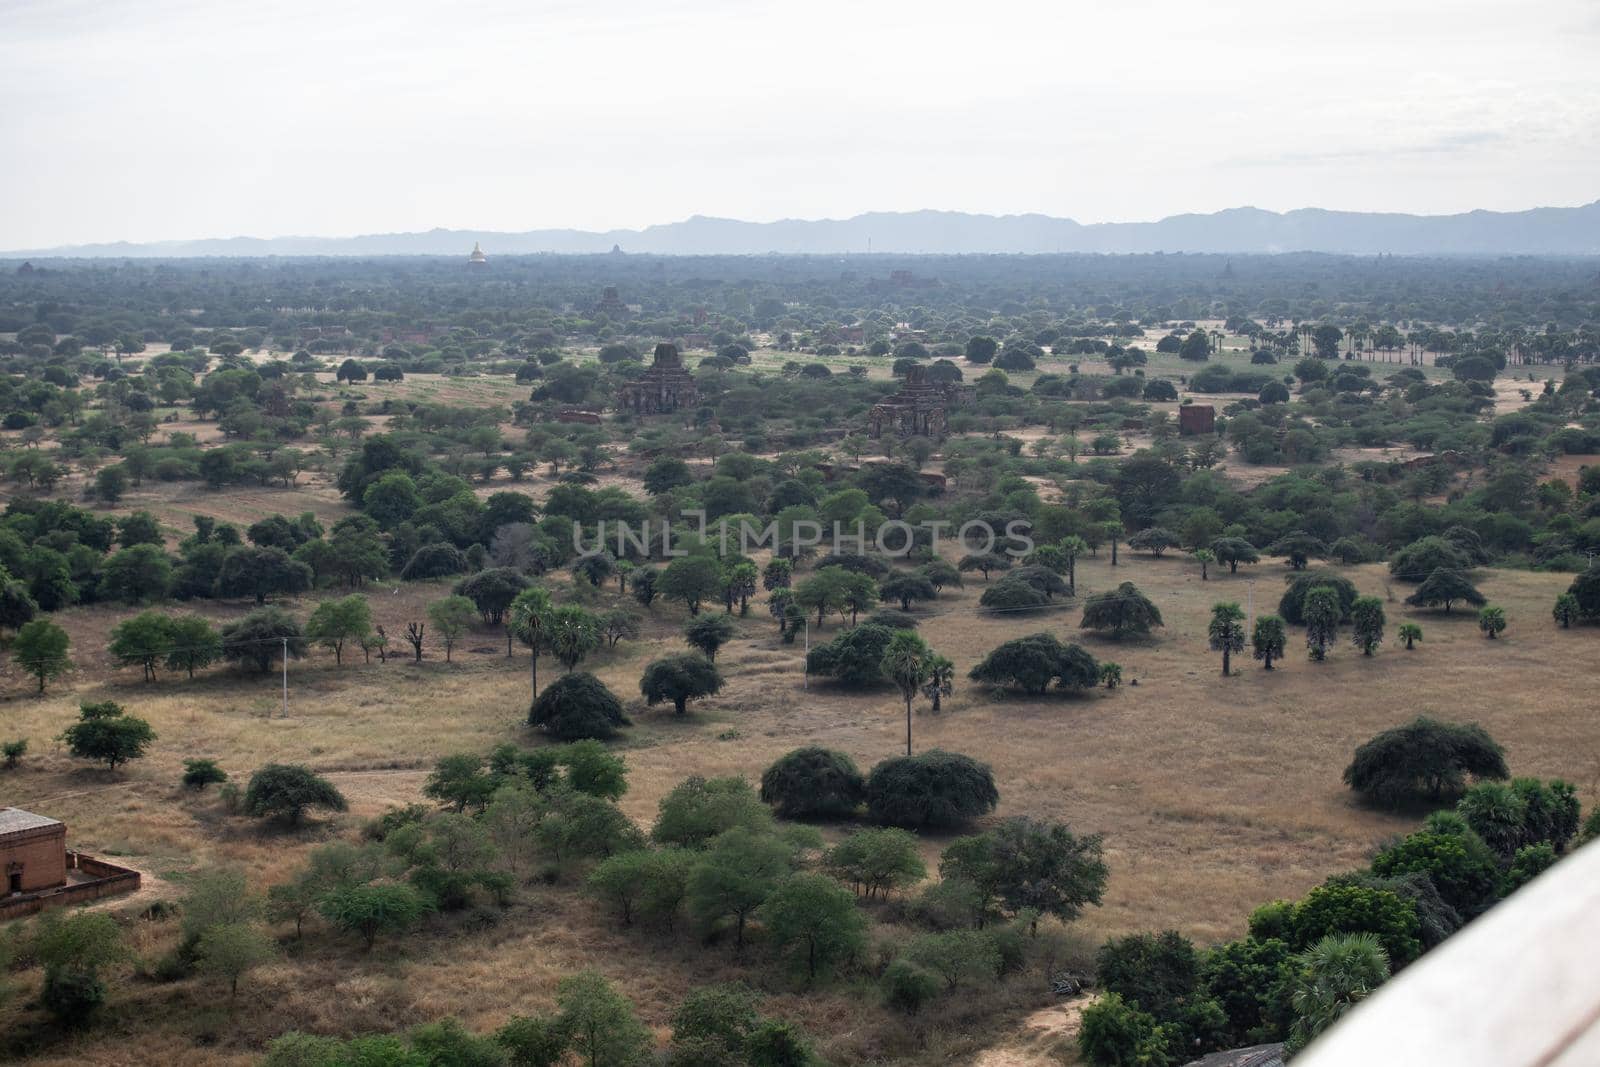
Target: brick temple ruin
41,872
665,386
918,410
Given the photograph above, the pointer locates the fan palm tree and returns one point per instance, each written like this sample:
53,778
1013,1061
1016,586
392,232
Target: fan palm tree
905,662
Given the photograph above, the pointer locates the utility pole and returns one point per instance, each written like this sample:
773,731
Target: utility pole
286,677
1250,610
805,677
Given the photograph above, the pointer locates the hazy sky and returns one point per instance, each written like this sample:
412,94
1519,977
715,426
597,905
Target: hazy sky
210,118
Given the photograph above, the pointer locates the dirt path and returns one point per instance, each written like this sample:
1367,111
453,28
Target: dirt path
1047,1038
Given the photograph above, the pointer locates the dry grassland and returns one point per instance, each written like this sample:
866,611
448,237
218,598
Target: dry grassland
1214,794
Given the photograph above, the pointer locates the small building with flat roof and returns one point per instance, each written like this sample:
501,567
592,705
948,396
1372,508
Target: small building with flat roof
33,851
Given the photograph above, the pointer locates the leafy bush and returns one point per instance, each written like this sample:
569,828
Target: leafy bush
813,782
935,789
1424,759
576,706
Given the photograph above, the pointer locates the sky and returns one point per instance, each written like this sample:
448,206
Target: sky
182,119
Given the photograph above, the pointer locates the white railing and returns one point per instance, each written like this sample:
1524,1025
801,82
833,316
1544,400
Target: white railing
1519,987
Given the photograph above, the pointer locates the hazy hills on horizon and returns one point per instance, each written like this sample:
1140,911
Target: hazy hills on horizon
1563,231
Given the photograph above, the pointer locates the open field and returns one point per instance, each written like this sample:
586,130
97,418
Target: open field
1214,794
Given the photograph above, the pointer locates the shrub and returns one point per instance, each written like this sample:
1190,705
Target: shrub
908,987
434,561
813,782
855,657
1291,608
1121,612
935,789
680,679
698,809
577,706
1031,663
1156,972
958,956
1115,1033
1424,759
288,791
1460,865
199,773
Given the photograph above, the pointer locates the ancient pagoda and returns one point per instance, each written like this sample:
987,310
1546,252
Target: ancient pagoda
665,386
917,410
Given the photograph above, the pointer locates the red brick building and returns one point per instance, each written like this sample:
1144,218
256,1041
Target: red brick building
33,851
1196,419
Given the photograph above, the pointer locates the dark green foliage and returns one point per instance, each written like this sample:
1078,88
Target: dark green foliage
260,573
698,809
1031,663
908,987
1529,862
434,561
932,790
708,633
905,588
854,658
1115,1033
199,773
1121,612
679,679
1422,557
1246,978
1585,589
1299,548
813,782
1343,908
1446,587
812,920
1156,972
105,734
287,791
492,591
260,638
1029,865
1460,865
1292,606
577,705
1425,759
40,649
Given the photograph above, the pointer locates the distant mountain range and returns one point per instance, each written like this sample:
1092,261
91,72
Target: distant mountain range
1541,231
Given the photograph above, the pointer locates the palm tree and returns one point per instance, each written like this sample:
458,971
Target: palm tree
1203,556
1410,633
528,619
905,662
574,632
1227,632
941,679
1492,621
1072,546
1331,977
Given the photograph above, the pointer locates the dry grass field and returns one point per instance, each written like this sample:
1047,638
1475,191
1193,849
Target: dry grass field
1214,794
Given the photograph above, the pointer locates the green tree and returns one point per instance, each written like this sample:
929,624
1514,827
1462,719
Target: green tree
72,947
143,640
1234,551
813,921
260,573
193,644
691,579
1445,587
1410,633
1227,632
1269,640
905,662
736,874
572,632
288,791
1122,612
905,588
40,649
1566,611
451,617
1029,866
1367,621
680,679
960,957
104,733
813,782
599,1023
1322,614
1031,663
708,633
333,623
1492,621
229,951
877,861
374,909
528,619
934,789
1424,759
1330,978
137,574
577,706
261,636
1115,1033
